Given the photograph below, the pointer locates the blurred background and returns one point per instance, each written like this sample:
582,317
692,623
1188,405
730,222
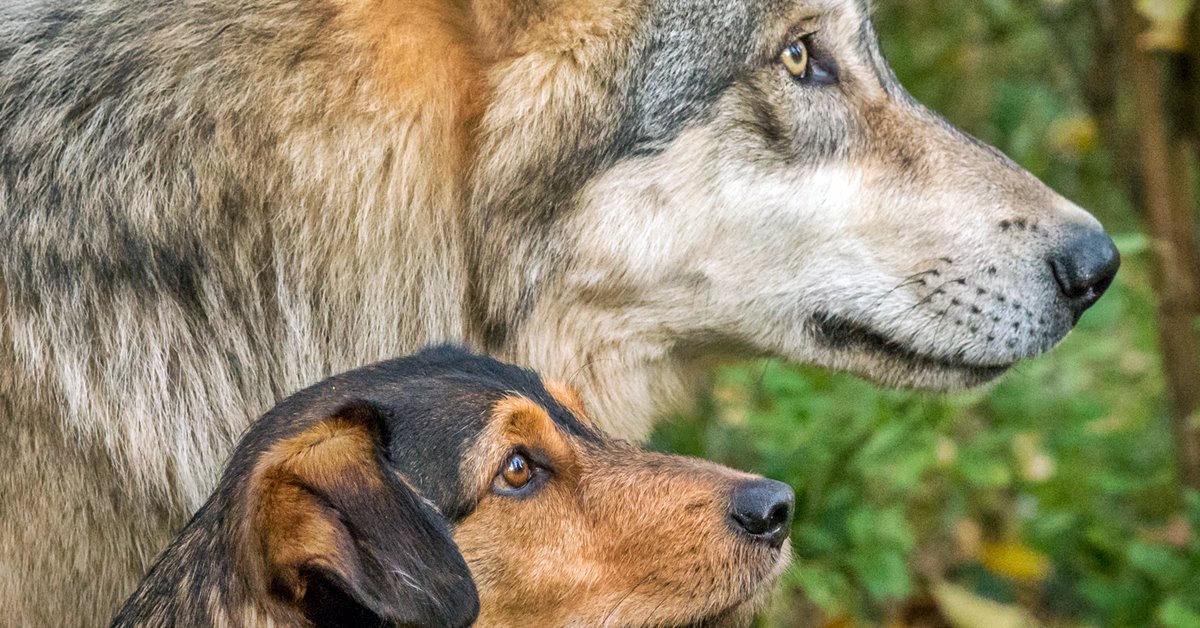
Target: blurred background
1069,493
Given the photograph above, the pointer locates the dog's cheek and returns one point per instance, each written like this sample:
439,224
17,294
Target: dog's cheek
526,556
664,539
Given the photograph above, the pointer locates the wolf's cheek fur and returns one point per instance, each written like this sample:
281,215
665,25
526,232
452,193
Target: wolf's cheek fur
868,236
852,263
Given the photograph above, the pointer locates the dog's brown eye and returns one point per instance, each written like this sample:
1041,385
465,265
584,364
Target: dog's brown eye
521,476
795,59
516,472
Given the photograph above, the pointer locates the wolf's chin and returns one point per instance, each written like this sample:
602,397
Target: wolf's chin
891,363
936,379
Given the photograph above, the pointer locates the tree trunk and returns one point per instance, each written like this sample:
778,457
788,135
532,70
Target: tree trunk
1193,77
1169,218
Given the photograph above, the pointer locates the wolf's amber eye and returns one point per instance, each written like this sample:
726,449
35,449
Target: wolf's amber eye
807,63
795,59
517,472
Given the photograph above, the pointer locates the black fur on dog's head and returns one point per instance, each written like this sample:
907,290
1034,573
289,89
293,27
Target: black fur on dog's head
384,496
325,517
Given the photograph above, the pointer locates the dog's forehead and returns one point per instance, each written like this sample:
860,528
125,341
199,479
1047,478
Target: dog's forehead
441,403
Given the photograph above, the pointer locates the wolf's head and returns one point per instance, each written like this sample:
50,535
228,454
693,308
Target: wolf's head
696,177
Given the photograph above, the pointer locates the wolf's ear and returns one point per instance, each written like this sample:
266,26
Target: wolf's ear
344,540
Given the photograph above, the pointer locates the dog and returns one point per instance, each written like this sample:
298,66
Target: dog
205,205
384,496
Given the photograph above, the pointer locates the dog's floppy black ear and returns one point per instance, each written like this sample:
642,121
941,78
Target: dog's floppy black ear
345,541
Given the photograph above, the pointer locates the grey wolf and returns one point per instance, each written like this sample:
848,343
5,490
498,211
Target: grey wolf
442,487
204,205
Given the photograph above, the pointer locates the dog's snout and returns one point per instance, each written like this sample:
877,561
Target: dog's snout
1084,266
762,509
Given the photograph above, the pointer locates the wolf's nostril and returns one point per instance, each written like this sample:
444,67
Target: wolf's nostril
1085,267
762,510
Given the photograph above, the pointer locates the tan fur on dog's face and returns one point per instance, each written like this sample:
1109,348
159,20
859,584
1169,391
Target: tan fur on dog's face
387,496
615,537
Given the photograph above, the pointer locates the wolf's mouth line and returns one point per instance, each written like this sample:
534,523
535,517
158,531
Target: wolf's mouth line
839,332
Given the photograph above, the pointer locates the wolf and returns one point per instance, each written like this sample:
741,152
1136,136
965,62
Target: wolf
207,205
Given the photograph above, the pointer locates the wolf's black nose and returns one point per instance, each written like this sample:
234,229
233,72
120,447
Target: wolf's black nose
762,509
1085,266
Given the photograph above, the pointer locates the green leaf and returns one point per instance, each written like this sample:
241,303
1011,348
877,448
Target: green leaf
1176,613
1159,563
823,586
884,574
1131,243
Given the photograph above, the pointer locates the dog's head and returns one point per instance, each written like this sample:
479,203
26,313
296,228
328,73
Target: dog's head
750,175
421,490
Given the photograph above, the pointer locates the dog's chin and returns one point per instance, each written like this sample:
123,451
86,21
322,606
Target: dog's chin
741,612
859,349
738,615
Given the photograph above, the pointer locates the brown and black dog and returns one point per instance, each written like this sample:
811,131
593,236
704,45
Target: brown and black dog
445,488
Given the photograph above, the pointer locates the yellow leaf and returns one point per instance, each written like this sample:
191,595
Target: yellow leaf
1015,561
1073,135
1164,10
964,609
1168,24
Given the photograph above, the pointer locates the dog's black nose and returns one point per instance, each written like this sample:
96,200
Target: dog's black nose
1085,266
762,509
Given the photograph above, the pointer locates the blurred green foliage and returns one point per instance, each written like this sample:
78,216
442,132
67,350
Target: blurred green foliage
1055,490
